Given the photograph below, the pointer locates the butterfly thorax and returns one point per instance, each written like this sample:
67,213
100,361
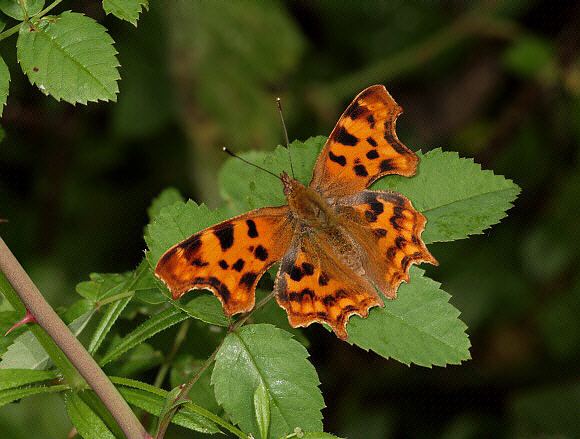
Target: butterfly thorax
306,205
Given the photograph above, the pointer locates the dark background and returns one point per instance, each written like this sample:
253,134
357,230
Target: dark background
497,81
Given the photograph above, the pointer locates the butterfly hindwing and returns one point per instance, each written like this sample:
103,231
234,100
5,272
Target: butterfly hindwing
390,229
228,258
314,286
363,146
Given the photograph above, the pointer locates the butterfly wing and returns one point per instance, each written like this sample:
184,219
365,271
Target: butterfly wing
228,258
314,285
363,146
389,229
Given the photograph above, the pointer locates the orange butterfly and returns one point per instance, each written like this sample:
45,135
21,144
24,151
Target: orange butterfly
338,243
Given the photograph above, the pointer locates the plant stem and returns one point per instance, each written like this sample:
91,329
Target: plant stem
179,338
69,344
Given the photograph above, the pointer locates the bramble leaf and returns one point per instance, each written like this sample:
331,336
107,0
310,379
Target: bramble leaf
13,8
419,327
167,197
4,84
175,223
88,424
457,197
263,354
127,10
70,57
262,409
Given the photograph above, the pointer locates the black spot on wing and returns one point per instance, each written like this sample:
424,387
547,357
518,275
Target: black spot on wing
341,135
308,268
372,154
387,165
380,232
391,252
372,141
354,111
223,264
191,246
199,263
261,253
323,279
400,242
252,231
371,120
360,170
370,216
329,300
307,292
221,288
248,279
225,234
340,159
238,265
377,207
296,274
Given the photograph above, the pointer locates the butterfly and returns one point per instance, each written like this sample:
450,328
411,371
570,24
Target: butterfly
337,242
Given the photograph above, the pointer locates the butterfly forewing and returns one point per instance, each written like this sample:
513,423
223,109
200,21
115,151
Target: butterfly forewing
363,146
229,258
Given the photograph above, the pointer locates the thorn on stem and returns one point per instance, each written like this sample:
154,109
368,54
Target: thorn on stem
28,318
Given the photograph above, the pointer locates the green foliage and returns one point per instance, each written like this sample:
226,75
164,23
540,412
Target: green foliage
263,355
157,323
127,10
174,223
15,9
457,197
27,352
419,327
262,409
10,395
529,56
10,378
4,84
152,400
74,47
88,424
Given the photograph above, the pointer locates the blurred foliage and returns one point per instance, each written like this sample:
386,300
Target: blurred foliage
496,81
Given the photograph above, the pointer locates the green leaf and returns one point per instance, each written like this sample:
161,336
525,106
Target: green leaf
166,198
87,423
13,9
265,354
70,57
244,187
183,369
207,308
152,399
159,322
419,327
457,197
110,316
4,84
175,223
103,285
27,353
262,409
127,10
10,395
172,401
10,378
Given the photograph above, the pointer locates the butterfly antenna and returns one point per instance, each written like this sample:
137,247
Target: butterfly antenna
279,103
227,151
